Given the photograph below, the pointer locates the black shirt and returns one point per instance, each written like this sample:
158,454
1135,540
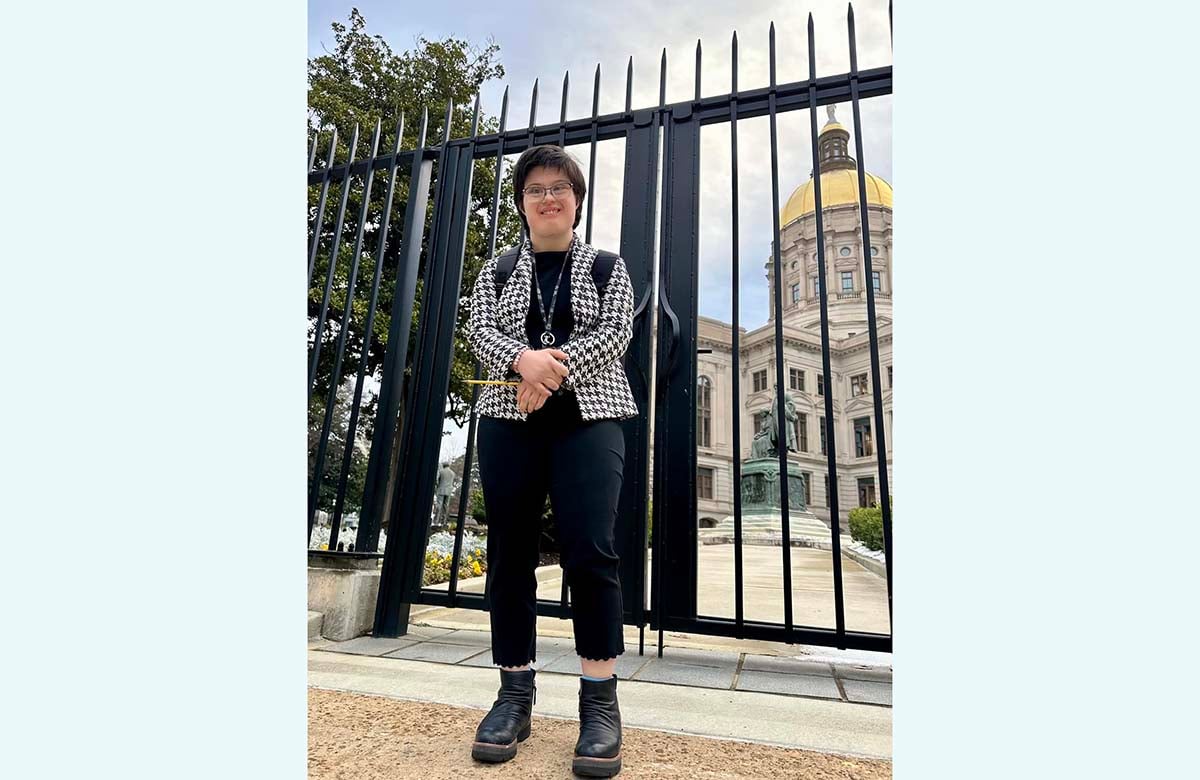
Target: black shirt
560,407
562,319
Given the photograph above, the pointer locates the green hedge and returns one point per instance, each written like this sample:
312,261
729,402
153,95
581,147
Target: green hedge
866,525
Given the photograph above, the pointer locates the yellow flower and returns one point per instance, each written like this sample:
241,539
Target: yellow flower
475,568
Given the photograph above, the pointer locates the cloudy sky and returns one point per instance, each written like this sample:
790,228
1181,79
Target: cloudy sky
542,40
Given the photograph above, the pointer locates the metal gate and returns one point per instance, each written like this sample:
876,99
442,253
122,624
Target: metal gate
402,489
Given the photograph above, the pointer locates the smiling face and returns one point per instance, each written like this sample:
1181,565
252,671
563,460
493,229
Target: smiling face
551,219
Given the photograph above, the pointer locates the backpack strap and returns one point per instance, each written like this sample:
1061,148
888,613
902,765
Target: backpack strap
505,264
602,268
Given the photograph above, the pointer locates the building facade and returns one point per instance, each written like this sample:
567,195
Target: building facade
850,383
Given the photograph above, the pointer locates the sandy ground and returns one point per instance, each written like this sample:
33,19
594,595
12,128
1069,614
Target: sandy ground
351,736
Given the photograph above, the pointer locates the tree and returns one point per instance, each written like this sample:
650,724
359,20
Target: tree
332,470
360,81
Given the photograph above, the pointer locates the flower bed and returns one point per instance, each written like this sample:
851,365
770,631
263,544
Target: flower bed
440,550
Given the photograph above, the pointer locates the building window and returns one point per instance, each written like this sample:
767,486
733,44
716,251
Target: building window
826,490
760,380
847,281
704,482
874,251
796,292
796,379
889,377
816,286
858,385
862,437
802,431
820,384
866,491
875,281
793,265
845,251
821,423
704,412
807,475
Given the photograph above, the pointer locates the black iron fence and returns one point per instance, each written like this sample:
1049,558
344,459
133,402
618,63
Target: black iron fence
403,459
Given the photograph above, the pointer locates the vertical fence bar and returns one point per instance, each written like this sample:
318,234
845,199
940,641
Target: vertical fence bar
316,239
830,428
872,328
368,337
451,293
315,358
638,229
629,85
739,615
404,560
562,141
464,492
780,416
591,180
660,433
563,598
443,191
438,331
562,110
498,176
343,332
456,556
384,440
694,308
533,110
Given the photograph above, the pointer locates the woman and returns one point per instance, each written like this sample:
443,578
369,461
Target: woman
557,434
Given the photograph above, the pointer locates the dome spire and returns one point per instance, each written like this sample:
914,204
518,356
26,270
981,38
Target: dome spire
833,142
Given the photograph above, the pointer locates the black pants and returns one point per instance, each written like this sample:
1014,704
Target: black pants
580,464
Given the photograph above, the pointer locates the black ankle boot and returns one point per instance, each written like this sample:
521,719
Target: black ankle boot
507,723
598,751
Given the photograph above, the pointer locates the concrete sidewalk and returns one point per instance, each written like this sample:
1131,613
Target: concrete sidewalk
828,704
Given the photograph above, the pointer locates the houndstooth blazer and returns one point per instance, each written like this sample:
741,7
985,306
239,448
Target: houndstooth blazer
596,345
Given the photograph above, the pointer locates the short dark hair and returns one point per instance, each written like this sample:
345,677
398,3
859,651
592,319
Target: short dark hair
548,156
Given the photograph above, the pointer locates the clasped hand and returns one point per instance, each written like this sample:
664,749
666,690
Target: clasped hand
541,374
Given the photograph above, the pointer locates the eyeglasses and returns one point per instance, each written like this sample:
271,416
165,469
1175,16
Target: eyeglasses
538,192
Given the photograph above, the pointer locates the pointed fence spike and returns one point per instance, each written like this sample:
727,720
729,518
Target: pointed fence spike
629,85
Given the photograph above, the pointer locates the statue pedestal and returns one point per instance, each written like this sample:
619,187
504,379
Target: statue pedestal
762,516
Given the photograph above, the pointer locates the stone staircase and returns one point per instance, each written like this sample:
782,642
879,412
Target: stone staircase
767,528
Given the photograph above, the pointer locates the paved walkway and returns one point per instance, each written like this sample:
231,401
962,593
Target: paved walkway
818,699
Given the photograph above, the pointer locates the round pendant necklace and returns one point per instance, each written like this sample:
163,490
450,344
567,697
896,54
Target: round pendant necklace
547,337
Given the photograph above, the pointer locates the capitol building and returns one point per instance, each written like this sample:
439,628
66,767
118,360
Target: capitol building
850,383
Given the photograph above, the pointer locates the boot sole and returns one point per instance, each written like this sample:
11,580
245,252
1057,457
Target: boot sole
492,753
592,766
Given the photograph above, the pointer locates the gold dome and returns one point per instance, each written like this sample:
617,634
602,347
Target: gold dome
838,188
